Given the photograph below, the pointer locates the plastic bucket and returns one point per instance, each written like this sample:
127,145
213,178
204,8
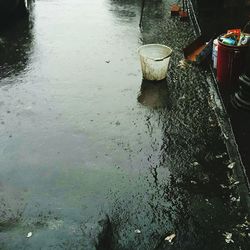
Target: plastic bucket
154,61
230,63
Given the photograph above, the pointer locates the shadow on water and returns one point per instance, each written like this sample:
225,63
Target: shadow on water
16,44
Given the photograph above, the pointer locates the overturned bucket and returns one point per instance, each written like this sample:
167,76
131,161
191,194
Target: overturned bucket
154,61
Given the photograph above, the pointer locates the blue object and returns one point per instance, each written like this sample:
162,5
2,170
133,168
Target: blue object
228,41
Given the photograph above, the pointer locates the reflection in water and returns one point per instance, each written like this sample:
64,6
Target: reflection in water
125,10
154,94
16,47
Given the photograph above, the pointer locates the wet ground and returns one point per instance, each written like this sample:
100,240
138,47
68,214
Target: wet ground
91,156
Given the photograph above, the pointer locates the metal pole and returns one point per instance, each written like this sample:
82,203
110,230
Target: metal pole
142,9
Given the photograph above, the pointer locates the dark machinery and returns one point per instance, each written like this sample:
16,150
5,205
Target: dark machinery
241,98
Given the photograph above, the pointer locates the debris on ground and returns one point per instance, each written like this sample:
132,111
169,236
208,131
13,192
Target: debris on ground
233,199
223,186
231,179
235,183
221,155
232,185
175,10
228,237
225,136
137,231
170,238
231,165
183,64
208,202
245,225
193,182
196,164
182,97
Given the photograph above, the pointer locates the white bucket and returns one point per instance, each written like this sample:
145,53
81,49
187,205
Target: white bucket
154,61
215,53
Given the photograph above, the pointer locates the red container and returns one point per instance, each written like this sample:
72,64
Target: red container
230,64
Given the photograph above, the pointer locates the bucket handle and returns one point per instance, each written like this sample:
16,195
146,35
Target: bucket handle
161,59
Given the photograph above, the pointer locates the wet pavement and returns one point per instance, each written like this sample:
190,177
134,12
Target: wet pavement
91,156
